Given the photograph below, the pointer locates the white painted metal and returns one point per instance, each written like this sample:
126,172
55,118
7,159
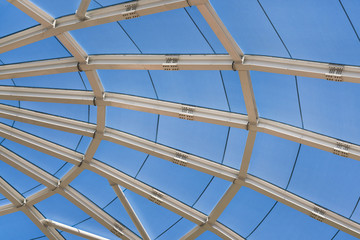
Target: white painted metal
130,211
296,67
33,214
302,205
249,97
94,17
72,230
73,47
81,11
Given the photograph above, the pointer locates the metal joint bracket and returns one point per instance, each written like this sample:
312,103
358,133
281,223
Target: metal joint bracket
54,24
171,63
82,161
187,113
180,159
86,17
130,11
59,183
341,149
206,222
117,231
335,73
78,67
252,126
155,197
23,203
318,213
240,180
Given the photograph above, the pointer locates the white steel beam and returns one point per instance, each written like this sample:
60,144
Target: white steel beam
35,216
170,154
47,120
8,209
294,201
214,21
235,53
46,95
159,62
34,12
38,68
73,47
40,144
95,17
124,201
81,11
301,68
72,230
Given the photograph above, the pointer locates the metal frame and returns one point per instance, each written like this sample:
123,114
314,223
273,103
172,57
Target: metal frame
236,60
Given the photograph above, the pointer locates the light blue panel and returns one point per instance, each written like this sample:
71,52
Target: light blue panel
212,195
206,30
94,187
141,124
249,26
44,161
65,139
94,227
33,190
73,111
331,108
11,14
199,88
117,210
245,211
355,216
146,211
58,8
48,48
234,91
130,82
85,80
10,224
276,97
63,170
353,8
273,159
309,35
208,236
178,230
59,209
17,179
104,39
125,159
3,201
83,144
235,147
166,32
69,80
344,236
179,182
202,139
326,179
285,223
6,82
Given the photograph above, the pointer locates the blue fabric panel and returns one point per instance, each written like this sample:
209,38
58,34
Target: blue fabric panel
235,147
276,97
234,91
11,14
211,195
146,211
199,88
308,35
314,179
178,230
208,236
125,159
165,33
245,211
10,231
179,182
130,82
202,139
140,124
273,159
48,48
94,187
249,26
331,108
285,223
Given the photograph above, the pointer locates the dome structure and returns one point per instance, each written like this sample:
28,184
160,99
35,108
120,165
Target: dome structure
180,119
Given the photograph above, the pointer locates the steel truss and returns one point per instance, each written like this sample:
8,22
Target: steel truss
236,61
